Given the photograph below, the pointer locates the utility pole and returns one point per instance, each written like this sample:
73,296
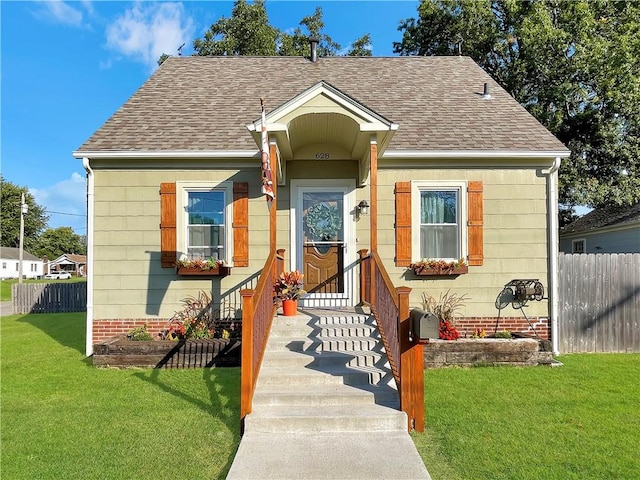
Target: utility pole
23,210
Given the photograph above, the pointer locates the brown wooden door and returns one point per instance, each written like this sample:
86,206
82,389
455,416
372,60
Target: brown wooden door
323,241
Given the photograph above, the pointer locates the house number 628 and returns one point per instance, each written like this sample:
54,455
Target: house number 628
322,155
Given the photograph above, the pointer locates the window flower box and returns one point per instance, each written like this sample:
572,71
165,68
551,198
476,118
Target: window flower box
219,271
430,268
202,267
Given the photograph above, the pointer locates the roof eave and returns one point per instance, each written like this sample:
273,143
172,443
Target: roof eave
419,154
155,154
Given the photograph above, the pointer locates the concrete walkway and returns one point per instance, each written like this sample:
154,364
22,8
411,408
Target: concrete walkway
325,406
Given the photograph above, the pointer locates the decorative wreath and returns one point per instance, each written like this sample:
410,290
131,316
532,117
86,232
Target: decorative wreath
323,221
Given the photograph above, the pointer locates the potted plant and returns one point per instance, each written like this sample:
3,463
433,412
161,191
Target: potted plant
201,266
288,289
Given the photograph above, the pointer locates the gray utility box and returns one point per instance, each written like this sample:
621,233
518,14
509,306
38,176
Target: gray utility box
424,324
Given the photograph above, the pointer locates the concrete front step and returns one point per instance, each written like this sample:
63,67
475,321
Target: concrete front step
325,419
321,359
344,456
290,376
311,331
308,395
325,344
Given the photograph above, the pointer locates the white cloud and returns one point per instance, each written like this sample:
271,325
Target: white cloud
65,203
146,31
60,12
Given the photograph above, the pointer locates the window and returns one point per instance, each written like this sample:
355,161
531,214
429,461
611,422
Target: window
438,224
578,246
4,265
206,221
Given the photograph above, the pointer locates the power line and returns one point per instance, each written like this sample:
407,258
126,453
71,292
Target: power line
65,213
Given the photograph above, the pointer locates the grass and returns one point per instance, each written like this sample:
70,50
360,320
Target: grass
5,285
578,421
63,418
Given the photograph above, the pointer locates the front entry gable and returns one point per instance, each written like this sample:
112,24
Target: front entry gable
323,123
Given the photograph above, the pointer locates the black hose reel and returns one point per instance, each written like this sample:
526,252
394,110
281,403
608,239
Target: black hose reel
517,293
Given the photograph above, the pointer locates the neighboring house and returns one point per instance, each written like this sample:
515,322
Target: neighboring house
447,172
69,262
612,229
32,266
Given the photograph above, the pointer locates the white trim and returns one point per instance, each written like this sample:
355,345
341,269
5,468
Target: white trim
553,249
462,211
155,154
420,154
89,265
347,187
323,88
182,190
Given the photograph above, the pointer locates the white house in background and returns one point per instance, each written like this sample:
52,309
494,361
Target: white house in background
32,266
610,229
69,262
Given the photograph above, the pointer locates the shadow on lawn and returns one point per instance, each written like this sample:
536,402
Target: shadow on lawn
224,398
68,329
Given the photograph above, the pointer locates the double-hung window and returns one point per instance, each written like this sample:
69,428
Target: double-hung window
577,246
439,212
206,220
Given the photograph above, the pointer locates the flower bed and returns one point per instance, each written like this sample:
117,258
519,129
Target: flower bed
466,352
194,353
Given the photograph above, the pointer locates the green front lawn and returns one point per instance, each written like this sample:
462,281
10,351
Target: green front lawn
63,418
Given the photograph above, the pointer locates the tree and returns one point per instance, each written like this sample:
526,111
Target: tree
58,241
248,32
573,65
35,219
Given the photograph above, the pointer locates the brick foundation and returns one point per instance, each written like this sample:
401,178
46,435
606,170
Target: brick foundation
467,325
106,329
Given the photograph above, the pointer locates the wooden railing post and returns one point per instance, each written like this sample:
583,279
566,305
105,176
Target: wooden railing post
246,363
411,366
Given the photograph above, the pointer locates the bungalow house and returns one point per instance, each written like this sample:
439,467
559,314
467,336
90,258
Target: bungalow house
32,266
409,157
612,229
69,262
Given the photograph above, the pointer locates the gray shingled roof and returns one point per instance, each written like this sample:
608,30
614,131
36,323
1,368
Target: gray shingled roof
12,253
204,104
604,217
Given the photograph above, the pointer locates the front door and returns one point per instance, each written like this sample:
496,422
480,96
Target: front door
322,229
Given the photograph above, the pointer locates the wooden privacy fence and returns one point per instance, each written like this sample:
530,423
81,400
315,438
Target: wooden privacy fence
599,303
49,297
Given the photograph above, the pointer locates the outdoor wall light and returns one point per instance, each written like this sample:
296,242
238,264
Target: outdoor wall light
362,208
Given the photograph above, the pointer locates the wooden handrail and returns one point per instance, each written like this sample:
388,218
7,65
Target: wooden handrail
390,307
258,310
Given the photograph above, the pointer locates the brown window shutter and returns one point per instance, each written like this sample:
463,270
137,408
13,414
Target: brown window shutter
168,225
240,224
403,224
475,224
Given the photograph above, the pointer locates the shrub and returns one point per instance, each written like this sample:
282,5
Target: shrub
139,334
445,308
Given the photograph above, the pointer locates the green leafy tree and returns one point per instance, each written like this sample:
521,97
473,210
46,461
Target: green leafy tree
35,219
574,65
58,241
248,32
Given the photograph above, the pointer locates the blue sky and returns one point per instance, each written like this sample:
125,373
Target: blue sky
66,67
